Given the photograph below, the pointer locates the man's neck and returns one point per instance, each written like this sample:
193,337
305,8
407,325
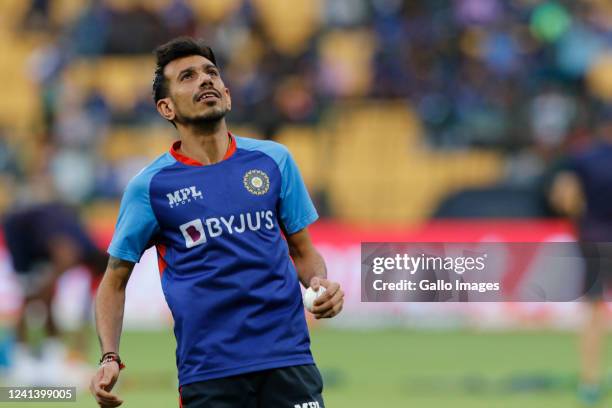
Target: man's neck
206,144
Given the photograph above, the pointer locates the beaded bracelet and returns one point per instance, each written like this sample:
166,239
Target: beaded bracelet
112,356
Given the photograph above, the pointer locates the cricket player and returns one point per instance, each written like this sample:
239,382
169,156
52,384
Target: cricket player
218,208
583,191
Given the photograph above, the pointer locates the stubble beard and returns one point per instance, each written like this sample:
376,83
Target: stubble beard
211,117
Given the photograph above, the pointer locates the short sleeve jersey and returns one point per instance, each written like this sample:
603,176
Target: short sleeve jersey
225,268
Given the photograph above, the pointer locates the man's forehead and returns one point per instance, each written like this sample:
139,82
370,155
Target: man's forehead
180,64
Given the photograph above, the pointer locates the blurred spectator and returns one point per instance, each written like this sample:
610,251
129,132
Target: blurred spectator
45,66
551,116
73,174
179,19
9,160
134,30
37,16
89,34
346,13
73,126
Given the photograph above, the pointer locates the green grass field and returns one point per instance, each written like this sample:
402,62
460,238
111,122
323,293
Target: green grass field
391,368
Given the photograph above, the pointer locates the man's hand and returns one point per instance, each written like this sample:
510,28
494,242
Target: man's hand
330,303
311,268
103,382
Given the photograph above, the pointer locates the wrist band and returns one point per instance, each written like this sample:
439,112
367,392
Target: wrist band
112,356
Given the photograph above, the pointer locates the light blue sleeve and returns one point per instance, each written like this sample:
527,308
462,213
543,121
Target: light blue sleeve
136,224
296,208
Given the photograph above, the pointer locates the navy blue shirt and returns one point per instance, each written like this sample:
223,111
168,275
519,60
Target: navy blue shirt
30,230
225,267
594,170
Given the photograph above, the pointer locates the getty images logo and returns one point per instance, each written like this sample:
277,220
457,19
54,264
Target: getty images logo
183,195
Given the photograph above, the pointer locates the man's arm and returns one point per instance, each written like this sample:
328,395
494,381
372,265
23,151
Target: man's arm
566,195
312,272
110,302
308,262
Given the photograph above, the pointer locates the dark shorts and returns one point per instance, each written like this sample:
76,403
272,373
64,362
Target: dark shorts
598,268
290,387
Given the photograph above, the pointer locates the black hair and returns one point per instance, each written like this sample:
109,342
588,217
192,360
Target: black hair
174,49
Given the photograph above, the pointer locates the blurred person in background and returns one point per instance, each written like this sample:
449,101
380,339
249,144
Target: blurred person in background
583,191
45,240
217,206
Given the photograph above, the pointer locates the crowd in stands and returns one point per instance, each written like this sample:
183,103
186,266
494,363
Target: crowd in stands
528,78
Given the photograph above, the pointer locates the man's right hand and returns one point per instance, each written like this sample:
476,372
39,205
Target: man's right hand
103,382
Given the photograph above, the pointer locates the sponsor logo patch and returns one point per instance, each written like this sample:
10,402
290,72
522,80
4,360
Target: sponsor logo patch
198,231
183,196
193,232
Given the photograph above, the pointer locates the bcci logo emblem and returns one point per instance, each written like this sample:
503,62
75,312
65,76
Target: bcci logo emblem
256,182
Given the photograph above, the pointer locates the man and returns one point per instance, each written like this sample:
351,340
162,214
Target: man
44,241
584,191
216,206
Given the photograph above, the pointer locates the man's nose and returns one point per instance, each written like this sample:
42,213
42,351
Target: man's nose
205,79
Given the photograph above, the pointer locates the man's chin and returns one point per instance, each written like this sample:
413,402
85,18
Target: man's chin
204,119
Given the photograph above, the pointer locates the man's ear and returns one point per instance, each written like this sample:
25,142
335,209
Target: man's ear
229,98
165,107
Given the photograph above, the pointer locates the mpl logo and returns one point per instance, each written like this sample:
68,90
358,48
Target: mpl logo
311,404
183,195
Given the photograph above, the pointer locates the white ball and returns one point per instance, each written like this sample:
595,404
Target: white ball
310,296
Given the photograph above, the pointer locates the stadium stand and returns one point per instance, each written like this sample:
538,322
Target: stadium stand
388,107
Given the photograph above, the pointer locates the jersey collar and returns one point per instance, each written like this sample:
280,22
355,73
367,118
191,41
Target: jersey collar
231,149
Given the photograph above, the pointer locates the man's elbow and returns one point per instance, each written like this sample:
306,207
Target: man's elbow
111,283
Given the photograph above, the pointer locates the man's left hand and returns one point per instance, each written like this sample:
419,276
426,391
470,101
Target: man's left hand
330,303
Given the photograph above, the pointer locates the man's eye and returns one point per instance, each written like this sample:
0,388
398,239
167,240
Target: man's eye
213,73
186,76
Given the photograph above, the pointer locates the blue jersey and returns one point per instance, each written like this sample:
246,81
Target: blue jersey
225,267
